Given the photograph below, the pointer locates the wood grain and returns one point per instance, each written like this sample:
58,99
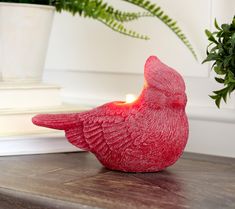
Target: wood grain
77,180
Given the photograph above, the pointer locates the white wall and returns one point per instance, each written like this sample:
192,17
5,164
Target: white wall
94,65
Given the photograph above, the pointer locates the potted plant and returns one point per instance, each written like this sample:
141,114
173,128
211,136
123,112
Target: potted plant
221,51
24,36
25,28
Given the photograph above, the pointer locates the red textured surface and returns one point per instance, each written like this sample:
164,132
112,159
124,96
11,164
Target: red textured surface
145,136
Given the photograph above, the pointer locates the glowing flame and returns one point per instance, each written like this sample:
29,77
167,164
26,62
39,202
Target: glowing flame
130,98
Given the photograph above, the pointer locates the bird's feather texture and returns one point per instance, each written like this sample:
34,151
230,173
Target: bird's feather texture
147,135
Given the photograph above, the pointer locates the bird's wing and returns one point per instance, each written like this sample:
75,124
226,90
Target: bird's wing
107,128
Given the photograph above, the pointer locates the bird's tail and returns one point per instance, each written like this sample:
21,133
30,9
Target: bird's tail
68,122
56,121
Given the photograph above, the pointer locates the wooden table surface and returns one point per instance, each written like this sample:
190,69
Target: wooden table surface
77,180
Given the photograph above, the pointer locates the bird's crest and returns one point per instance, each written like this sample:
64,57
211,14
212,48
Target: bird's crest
162,77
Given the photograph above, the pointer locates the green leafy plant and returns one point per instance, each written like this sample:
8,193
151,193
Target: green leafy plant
221,51
114,18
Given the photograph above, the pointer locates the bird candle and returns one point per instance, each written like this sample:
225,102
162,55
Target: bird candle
147,134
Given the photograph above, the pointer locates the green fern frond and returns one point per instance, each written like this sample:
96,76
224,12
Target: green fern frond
106,14
119,15
97,9
159,13
129,16
101,11
118,27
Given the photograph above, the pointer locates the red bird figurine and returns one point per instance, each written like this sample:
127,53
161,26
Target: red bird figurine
147,135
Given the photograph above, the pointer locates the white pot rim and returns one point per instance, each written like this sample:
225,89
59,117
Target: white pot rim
27,5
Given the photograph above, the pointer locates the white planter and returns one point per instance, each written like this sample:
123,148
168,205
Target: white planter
24,36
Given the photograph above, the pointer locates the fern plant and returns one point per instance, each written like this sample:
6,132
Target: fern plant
114,18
